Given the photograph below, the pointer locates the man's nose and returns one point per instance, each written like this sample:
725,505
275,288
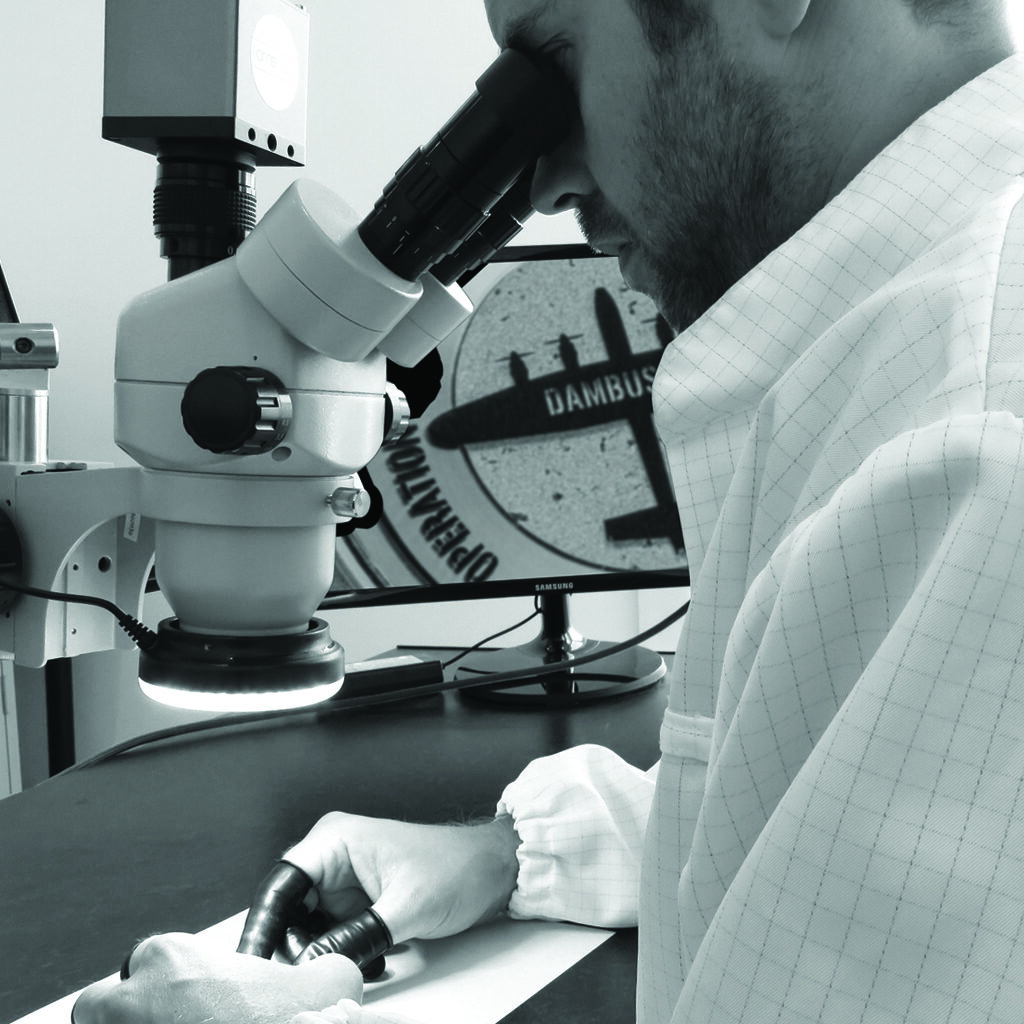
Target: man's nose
562,177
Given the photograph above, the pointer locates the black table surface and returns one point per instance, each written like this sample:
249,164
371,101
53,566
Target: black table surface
176,835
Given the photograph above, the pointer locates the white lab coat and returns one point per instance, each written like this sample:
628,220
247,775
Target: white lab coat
837,830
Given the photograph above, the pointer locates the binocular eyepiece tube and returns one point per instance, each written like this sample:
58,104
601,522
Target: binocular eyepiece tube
443,194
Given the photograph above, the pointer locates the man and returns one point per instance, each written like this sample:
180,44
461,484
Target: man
826,197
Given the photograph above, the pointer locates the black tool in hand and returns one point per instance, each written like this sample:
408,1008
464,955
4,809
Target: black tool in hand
279,917
364,940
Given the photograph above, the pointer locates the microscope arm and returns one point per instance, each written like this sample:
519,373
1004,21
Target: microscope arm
75,529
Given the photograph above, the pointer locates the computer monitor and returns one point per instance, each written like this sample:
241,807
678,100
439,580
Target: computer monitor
536,471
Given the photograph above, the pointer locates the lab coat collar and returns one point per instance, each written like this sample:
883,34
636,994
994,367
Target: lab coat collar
714,375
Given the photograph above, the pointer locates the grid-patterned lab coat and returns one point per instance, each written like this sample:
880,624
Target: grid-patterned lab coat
837,831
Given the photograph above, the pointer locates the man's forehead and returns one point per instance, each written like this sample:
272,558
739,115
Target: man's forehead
516,23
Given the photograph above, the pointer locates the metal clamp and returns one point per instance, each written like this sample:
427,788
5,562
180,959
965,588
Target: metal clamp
28,347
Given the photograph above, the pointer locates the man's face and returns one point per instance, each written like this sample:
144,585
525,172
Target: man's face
684,164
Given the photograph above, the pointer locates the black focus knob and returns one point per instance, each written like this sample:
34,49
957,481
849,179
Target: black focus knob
236,410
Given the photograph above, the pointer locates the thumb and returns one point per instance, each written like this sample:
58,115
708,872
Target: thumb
330,978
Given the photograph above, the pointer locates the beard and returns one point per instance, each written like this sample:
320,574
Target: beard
725,179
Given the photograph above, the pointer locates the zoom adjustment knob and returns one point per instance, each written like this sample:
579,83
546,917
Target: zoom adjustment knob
236,410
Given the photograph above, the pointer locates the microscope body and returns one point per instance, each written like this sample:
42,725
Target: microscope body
246,505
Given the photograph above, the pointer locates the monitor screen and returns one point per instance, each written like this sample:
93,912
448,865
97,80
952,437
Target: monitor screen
537,468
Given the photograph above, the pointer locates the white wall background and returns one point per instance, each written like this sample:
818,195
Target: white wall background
76,244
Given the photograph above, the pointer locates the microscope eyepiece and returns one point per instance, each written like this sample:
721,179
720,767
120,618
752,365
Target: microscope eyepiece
444,191
499,227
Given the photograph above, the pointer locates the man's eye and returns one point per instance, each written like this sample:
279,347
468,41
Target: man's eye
557,58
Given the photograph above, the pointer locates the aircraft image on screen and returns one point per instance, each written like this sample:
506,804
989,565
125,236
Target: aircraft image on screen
576,397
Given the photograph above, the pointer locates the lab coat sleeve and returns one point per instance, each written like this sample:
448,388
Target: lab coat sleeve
580,816
885,883
348,1011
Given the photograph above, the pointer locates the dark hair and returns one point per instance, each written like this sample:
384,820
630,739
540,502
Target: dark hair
667,23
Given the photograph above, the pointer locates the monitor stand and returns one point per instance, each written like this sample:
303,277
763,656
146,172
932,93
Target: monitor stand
558,643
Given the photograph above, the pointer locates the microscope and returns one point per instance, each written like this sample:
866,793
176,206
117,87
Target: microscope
253,387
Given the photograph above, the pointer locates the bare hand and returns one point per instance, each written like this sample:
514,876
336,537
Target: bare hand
425,881
184,978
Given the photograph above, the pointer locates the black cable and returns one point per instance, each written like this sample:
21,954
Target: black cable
374,700
494,636
141,634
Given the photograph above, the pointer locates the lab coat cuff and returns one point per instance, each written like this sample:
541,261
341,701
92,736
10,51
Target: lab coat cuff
580,817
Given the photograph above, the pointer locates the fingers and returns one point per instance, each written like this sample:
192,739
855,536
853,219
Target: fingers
170,954
111,1001
327,855
163,946
85,1010
333,976
341,1013
363,939
201,982
399,907
349,1012
322,850
278,898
